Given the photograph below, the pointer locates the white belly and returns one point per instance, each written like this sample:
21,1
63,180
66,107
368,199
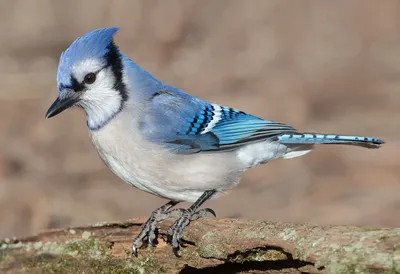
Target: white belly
150,168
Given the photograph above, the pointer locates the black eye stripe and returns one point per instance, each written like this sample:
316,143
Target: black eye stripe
114,61
75,85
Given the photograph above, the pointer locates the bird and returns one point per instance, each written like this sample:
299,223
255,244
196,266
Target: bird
165,141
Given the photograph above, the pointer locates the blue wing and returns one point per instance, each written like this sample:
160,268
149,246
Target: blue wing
185,124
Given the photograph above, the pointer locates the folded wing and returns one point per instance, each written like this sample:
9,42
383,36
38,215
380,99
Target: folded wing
185,125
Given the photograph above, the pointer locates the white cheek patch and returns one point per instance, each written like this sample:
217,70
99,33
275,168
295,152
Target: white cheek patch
101,101
105,79
80,69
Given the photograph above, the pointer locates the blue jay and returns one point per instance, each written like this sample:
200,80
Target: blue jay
164,141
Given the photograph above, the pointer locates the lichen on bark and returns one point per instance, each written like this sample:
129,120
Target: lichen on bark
222,246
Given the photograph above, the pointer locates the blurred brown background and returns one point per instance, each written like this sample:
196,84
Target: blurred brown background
330,66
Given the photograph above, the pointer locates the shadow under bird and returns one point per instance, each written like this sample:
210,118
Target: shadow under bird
164,141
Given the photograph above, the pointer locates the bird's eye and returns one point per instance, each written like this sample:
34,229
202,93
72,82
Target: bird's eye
90,78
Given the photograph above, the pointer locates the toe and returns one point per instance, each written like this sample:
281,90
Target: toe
152,239
182,243
212,212
175,251
134,250
175,245
202,213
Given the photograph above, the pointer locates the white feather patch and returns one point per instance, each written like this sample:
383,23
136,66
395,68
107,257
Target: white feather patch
262,152
294,154
101,101
215,119
80,69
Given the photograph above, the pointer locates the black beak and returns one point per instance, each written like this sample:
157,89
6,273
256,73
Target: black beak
60,105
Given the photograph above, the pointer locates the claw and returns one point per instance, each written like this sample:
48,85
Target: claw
174,233
135,245
203,213
152,237
182,243
175,251
186,242
148,234
134,251
152,243
212,212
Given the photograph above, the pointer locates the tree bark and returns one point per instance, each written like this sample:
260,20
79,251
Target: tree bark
221,246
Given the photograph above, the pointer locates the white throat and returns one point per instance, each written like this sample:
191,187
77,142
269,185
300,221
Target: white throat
100,111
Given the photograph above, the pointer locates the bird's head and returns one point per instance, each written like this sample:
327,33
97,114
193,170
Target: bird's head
90,75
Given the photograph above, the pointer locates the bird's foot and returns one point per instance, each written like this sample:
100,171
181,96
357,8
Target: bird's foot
175,232
149,232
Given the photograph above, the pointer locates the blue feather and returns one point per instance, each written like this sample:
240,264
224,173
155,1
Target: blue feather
318,138
185,124
92,45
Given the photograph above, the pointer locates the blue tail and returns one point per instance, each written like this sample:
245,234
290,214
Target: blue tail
317,138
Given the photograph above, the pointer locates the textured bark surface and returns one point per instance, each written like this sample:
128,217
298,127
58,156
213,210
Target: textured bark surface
221,246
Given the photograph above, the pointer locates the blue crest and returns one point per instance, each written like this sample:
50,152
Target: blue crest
93,44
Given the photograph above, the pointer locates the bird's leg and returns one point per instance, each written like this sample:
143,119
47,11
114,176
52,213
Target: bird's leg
148,233
175,232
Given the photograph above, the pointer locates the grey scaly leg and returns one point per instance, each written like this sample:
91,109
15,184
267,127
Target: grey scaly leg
174,234
148,232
